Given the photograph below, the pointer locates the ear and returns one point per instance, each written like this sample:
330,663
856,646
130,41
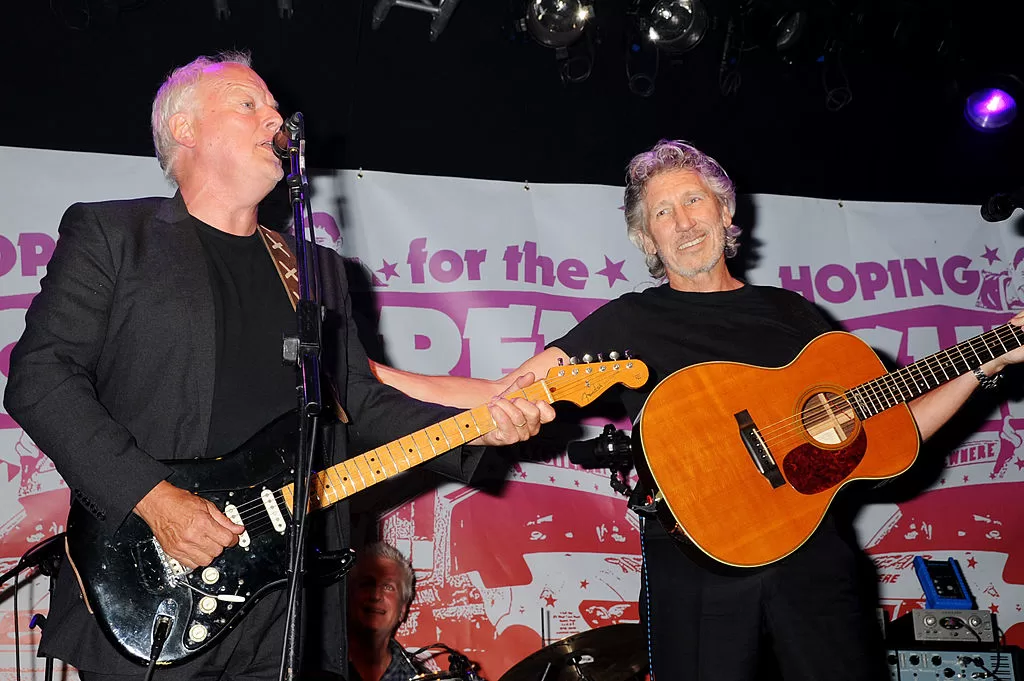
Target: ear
180,125
649,248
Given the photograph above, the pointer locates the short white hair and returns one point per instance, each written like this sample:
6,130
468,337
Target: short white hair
178,93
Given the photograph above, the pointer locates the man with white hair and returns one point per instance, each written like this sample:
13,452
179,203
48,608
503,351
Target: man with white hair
157,336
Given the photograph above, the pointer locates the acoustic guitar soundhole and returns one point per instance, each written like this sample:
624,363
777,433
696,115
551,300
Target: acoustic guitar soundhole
829,421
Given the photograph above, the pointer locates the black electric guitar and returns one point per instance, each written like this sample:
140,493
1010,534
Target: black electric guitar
130,584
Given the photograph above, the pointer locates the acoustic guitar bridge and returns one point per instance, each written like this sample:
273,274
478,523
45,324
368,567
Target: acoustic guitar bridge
759,454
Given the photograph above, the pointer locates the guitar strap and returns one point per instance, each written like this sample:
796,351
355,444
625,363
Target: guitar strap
287,270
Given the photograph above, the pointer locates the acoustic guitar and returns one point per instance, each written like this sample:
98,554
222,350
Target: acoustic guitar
133,588
744,461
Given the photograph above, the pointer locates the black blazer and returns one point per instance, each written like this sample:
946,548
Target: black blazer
115,372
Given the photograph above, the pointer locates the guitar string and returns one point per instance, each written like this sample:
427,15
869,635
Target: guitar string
883,397
254,510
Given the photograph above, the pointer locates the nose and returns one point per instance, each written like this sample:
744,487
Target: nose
274,119
684,220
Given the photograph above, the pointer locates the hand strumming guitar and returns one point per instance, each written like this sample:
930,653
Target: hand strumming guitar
189,528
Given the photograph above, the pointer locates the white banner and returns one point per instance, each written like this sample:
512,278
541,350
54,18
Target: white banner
472,277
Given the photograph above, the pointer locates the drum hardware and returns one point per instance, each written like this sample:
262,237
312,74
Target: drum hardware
614,653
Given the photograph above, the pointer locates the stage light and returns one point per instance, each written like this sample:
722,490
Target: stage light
789,29
990,109
557,23
442,12
675,25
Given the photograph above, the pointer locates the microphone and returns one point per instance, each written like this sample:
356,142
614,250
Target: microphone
291,130
1000,207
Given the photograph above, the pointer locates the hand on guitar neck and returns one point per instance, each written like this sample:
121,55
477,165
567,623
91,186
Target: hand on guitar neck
932,410
189,528
516,420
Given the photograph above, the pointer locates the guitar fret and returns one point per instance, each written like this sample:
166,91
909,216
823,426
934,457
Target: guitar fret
436,435
381,451
348,464
399,456
452,431
423,443
409,447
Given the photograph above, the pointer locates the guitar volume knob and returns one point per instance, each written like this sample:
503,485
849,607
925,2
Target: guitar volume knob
211,575
207,604
197,633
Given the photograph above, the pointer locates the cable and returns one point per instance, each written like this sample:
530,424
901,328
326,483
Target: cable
647,593
161,630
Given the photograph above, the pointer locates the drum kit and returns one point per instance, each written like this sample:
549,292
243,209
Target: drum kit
614,653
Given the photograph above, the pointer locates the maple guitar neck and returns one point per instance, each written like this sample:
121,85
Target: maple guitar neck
578,383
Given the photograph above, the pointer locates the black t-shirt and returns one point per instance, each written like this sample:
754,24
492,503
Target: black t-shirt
252,385
670,330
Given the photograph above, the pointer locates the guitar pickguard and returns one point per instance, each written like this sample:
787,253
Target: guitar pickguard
810,469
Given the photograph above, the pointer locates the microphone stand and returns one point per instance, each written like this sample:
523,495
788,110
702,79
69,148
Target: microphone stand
302,350
47,556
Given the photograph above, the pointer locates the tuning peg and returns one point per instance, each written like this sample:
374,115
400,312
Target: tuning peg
600,357
628,354
587,359
561,362
613,355
573,360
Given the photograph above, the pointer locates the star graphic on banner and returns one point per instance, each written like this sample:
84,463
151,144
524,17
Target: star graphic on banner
522,475
521,610
942,481
966,479
576,482
991,254
596,488
972,562
1020,463
613,270
583,584
389,270
994,608
552,478
1018,607
550,600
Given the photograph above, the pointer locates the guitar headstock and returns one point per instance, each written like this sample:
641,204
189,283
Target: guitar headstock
582,383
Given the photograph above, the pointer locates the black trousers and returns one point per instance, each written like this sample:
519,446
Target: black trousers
814,612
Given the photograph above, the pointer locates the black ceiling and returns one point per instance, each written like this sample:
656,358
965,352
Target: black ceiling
483,101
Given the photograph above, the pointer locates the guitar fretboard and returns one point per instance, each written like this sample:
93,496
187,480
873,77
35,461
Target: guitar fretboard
356,474
916,379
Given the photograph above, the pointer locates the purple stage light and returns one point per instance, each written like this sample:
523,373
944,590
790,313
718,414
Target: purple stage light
990,109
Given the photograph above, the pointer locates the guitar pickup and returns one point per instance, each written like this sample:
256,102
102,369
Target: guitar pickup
759,454
231,511
273,511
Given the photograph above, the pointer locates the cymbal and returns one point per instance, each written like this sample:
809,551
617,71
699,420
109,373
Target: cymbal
614,653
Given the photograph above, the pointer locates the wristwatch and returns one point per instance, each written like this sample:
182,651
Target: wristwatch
987,382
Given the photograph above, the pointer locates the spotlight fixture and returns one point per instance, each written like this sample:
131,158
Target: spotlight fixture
675,25
442,12
557,23
990,109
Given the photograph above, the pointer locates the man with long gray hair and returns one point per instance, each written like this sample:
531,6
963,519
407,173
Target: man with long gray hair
706,622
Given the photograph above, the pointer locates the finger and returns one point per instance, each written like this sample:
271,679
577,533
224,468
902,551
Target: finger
223,520
505,418
529,419
524,381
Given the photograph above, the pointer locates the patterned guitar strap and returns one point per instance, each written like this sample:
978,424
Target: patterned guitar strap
287,270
